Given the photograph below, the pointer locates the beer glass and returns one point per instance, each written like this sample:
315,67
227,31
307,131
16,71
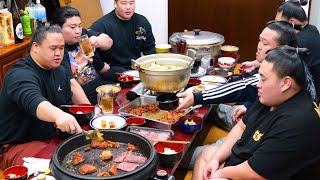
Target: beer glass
86,47
105,101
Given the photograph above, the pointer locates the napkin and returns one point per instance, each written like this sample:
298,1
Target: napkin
36,165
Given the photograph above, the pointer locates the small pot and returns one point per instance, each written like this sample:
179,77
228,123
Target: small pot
167,101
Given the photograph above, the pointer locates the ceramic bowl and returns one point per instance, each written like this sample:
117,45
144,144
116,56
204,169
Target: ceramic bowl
135,121
186,127
167,101
169,153
82,114
125,81
193,82
16,173
229,49
226,62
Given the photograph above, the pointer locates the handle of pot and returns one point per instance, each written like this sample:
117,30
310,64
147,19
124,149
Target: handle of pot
135,65
193,54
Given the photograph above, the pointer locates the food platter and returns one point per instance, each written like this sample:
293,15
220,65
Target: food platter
152,119
118,121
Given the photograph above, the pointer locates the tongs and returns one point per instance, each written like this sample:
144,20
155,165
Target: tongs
94,135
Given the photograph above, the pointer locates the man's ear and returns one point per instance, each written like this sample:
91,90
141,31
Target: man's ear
286,83
35,47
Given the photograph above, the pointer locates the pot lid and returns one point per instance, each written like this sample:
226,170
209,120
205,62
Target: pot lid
197,37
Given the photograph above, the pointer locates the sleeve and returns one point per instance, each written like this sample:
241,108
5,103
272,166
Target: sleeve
148,47
238,91
24,89
248,104
284,143
91,32
98,64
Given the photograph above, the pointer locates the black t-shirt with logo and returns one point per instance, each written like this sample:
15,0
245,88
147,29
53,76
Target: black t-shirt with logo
279,144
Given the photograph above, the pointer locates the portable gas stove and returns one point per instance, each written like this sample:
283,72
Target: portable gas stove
140,91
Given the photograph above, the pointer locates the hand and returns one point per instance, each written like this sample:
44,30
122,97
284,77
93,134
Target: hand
248,66
67,123
94,40
188,100
238,113
210,169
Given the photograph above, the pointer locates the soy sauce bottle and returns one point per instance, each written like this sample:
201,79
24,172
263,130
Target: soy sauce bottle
17,25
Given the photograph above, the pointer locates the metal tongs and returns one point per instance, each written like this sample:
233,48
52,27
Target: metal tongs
94,135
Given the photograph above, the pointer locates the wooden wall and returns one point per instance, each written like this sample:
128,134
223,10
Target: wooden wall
240,21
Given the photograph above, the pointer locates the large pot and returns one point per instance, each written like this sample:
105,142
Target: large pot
164,80
145,171
203,42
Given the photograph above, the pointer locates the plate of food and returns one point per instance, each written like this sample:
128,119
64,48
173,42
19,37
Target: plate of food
219,72
108,121
133,73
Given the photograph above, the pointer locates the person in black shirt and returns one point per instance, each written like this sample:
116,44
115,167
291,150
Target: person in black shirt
32,91
86,71
275,139
131,34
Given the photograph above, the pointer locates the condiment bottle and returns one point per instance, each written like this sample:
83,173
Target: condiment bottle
17,26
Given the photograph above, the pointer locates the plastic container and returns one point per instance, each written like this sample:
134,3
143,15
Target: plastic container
40,14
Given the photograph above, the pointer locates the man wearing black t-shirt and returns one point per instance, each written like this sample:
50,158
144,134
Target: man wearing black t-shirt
32,91
275,140
131,34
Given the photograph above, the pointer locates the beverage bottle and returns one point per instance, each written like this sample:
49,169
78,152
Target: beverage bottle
17,25
40,14
30,7
26,24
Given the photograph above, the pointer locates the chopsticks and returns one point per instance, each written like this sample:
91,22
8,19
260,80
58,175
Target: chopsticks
170,141
75,105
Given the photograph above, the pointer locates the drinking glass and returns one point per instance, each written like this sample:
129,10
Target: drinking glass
86,46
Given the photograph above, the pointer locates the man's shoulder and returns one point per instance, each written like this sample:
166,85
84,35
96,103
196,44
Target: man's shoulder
140,18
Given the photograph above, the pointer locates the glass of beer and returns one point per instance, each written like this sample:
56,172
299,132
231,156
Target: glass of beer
105,101
86,47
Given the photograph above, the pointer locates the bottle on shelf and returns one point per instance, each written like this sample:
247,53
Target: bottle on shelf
17,25
26,24
40,14
30,7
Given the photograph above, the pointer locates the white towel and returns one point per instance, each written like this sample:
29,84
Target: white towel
36,165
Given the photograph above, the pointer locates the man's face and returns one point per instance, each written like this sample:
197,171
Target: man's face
50,53
269,86
124,8
72,30
267,40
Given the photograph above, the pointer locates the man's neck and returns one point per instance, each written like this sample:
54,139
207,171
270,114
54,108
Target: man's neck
34,58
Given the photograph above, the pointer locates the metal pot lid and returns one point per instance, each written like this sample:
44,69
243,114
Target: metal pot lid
198,37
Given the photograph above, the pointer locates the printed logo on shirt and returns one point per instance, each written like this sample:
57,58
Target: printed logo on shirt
141,33
80,67
59,88
257,135
316,108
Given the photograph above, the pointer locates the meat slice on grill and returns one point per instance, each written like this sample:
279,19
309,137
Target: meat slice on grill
129,157
109,144
128,167
113,170
87,169
95,143
131,147
77,158
105,155
103,174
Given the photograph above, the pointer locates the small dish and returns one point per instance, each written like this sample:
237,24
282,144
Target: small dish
108,121
133,73
193,82
17,172
213,80
167,101
135,121
200,72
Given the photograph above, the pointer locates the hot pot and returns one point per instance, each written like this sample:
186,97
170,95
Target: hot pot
76,142
203,42
164,80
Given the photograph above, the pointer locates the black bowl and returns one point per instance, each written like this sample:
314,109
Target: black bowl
167,101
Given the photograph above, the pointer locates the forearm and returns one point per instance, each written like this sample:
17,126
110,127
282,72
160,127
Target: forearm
241,171
224,151
48,112
256,64
78,96
105,68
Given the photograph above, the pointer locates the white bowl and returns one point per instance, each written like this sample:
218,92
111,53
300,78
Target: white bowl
226,62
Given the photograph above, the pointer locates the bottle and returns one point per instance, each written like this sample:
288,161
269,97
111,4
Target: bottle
30,7
26,24
6,30
17,25
40,14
